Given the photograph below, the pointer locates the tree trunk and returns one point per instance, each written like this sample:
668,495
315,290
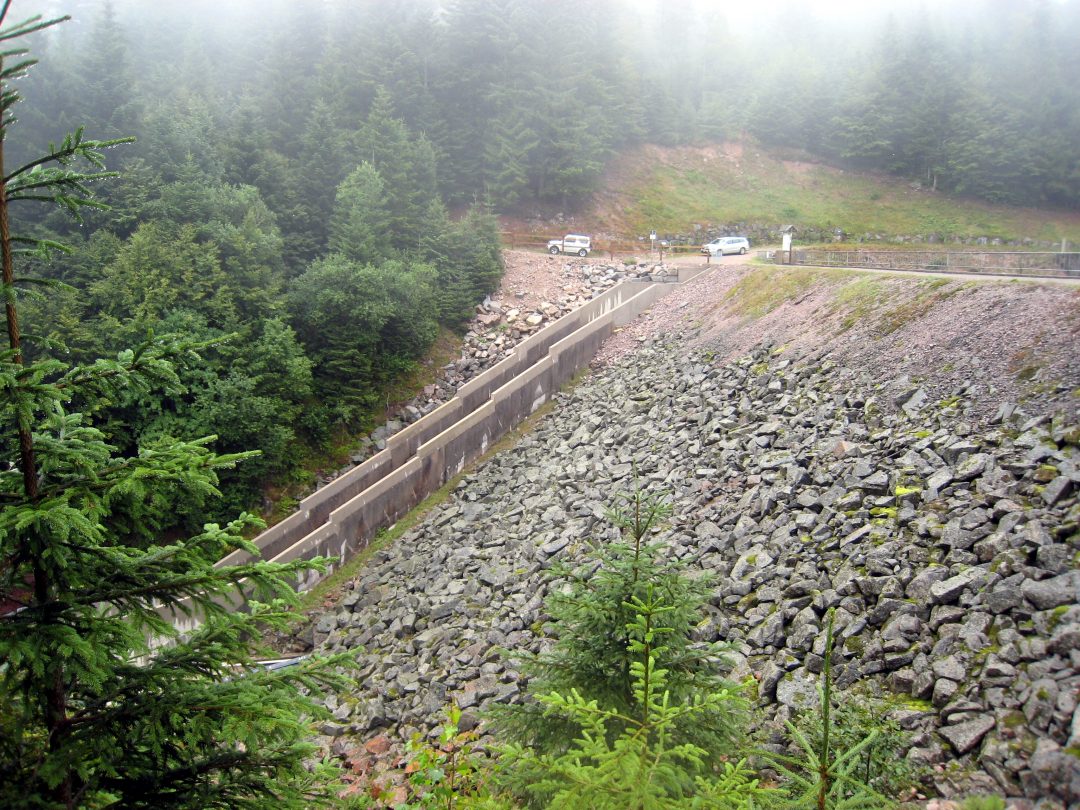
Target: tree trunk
55,696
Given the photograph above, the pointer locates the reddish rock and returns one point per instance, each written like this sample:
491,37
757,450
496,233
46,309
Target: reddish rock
378,745
359,763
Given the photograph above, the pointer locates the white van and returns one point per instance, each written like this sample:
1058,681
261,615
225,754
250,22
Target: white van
571,243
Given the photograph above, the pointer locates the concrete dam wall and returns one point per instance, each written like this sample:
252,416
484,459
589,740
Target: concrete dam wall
340,519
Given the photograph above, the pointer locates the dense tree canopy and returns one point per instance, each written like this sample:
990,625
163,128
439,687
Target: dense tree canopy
362,324
103,703
307,249
367,145
524,100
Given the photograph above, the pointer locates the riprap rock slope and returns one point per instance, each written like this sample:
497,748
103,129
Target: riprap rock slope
949,553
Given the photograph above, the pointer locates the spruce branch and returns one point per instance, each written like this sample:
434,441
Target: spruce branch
28,26
73,146
88,711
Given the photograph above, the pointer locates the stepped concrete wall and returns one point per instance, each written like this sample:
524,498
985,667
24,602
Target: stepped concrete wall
350,526
315,509
341,518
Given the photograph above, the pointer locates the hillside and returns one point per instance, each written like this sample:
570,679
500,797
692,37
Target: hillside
871,444
990,342
753,188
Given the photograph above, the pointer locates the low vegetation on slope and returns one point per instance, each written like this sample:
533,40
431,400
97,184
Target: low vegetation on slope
879,302
1000,341
672,190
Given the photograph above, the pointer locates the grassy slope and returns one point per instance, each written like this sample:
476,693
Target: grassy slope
885,303
673,189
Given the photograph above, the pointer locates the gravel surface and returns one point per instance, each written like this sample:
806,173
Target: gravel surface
995,341
533,278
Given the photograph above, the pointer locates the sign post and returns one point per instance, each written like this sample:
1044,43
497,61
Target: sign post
788,233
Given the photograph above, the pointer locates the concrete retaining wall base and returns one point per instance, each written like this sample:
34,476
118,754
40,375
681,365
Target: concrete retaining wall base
341,518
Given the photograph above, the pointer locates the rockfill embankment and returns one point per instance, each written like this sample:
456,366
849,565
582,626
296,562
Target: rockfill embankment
947,547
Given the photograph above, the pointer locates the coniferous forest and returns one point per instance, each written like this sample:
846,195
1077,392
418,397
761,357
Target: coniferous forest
305,178
234,226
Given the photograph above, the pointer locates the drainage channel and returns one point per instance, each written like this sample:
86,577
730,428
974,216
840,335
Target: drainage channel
340,519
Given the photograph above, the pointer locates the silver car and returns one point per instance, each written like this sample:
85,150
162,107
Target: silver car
723,245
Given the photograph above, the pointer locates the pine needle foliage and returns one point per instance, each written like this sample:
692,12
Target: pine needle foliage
92,714
825,775
594,609
644,766
860,711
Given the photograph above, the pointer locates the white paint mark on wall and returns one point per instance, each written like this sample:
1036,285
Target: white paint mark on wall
539,397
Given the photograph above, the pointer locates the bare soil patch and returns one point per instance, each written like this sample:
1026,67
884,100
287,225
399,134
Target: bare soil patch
532,278
988,342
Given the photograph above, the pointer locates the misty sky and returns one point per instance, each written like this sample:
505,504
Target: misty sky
744,15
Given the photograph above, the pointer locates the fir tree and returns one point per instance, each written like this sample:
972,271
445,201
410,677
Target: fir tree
648,764
506,158
468,257
834,763
325,162
91,713
594,617
406,165
358,226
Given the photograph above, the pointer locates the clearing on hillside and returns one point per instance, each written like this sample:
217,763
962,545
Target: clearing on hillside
674,189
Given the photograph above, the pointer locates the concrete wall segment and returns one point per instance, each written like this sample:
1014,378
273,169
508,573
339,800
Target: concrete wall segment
520,398
339,519
568,345
316,507
403,445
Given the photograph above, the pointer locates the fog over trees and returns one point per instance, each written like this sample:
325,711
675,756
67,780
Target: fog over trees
522,99
282,145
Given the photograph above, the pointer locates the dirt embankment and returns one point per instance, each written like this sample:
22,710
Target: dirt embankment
993,342
996,344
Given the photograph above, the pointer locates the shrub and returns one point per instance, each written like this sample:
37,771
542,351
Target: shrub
644,765
835,764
